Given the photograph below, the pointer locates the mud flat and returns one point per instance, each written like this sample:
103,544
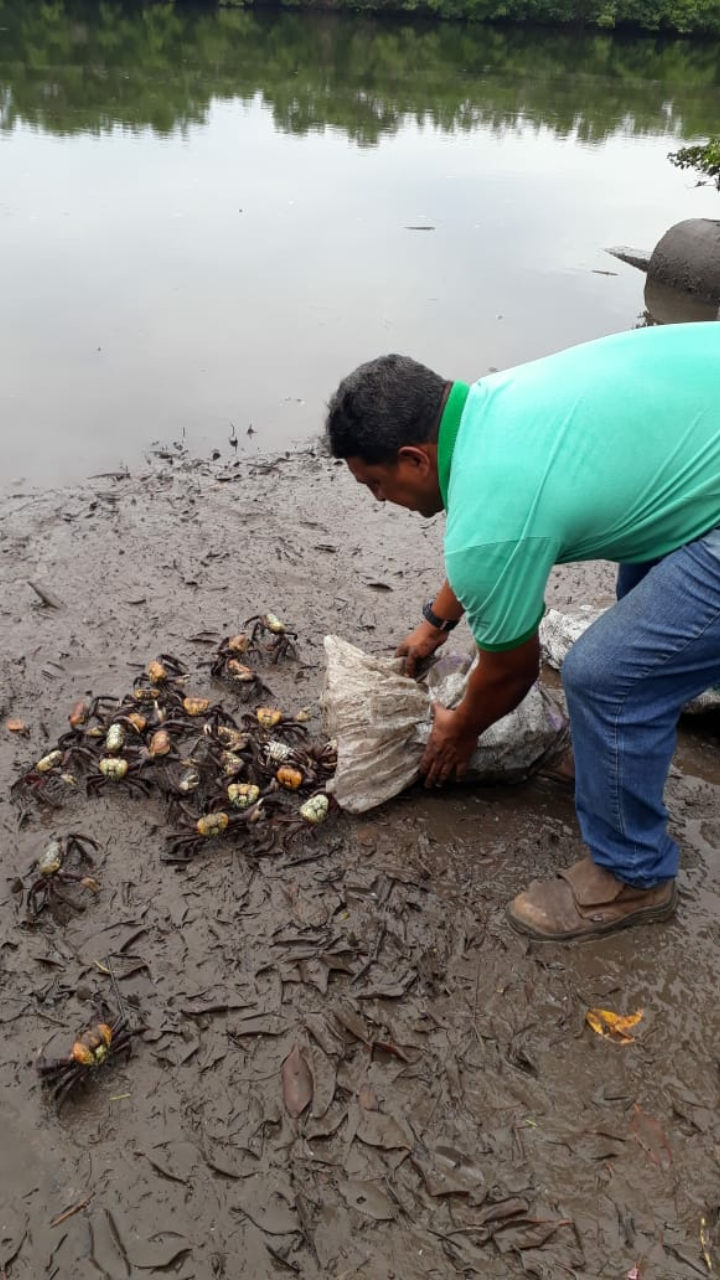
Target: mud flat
464,1118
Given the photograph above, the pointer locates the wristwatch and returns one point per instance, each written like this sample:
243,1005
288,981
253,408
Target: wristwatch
440,624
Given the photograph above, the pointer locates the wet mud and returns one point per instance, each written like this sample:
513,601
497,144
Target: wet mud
346,1064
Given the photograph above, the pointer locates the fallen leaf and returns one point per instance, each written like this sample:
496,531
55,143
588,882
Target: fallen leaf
612,1026
369,1199
297,1082
383,1131
367,1099
646,1130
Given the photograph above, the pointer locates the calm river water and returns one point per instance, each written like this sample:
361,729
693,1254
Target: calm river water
208,218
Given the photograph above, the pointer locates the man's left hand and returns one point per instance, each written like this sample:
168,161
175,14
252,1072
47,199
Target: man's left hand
449,748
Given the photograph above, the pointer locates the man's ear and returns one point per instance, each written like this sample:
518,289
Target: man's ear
415,455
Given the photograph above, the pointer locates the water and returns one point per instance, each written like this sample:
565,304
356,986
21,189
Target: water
205,217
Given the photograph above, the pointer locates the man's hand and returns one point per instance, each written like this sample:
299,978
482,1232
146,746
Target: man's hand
421,643
449,748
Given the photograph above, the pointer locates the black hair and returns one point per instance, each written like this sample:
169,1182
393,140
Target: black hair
383,405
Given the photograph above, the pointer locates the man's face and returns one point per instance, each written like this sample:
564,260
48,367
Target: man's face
411,481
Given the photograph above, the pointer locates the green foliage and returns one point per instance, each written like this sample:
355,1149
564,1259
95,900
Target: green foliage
67,67
705,158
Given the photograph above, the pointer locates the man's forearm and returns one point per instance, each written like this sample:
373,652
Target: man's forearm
489,696
446,604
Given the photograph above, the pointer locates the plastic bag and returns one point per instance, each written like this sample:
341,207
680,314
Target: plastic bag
381,721
558,631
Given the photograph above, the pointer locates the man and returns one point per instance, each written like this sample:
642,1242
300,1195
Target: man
610,450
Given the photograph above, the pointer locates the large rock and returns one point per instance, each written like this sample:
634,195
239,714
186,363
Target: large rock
688,259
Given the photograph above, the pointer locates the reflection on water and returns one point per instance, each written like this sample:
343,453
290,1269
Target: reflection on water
204,215
71,68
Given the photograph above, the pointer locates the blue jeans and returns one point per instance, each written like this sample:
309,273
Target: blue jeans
626,680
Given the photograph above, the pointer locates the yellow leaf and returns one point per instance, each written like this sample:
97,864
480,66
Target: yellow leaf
612,1025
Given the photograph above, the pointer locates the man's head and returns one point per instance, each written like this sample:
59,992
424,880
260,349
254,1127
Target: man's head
383,420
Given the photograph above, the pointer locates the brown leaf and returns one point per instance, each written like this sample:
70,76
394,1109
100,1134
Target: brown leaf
383,1131
370,1199
297,1082
367,1099
648,1133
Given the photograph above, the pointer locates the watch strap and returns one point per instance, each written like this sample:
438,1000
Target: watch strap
440,624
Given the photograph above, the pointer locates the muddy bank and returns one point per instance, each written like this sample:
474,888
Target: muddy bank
464,1119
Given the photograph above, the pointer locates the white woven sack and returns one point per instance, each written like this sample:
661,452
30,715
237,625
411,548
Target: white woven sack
558,631
381,721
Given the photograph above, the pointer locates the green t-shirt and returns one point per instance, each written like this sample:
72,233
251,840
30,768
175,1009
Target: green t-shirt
607,451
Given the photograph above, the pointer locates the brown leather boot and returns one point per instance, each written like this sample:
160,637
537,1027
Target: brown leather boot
586,901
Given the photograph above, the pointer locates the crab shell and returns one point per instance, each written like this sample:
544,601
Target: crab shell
142,694
273,624
48,762
243,794
233,739
51,859
93,1047
316,809
78,714
289,778
160,743
238,644
115,739
196,706
112,768
268,717
231,764
156,672
137,721
212,824
239,672
278,752
189,781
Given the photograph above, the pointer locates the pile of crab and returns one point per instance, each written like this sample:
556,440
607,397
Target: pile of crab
255,777
221,775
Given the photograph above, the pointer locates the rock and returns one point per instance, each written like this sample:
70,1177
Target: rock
688,259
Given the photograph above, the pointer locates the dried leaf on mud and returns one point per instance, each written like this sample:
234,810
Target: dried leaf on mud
297,1082
265,1202
378,1130
613,1026
324,1078
528,1233
369,1199
367,1099
647,1132
263,1025
448,1172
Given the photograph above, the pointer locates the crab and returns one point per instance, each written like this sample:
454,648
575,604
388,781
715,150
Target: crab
102,1041
243,679
281,644
183,709
183,846
271,718
315,811
51,871
117,771
238,646
45,778
161,671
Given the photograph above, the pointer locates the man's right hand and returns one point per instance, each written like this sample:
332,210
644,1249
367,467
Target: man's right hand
421,643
